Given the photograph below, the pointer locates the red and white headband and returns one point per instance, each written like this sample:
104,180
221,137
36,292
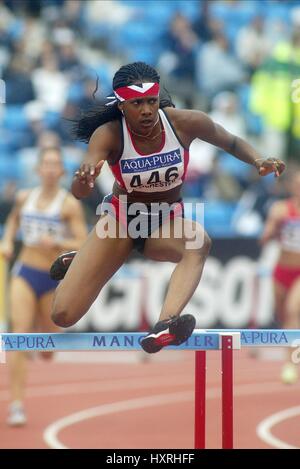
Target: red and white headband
135,91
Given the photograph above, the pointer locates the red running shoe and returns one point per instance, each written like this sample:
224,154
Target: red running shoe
173,331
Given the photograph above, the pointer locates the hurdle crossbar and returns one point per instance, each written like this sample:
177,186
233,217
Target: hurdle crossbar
200,341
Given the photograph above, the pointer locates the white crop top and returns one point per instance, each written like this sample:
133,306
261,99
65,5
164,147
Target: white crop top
290,229
35,223
155,172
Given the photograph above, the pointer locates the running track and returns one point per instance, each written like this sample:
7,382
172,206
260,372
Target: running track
116,400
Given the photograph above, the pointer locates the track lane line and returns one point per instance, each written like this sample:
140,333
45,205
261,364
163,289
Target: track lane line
263,429
50,434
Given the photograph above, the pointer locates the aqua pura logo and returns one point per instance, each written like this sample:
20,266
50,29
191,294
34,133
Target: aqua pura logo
2,92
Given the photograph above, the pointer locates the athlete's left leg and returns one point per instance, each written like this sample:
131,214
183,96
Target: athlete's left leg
292,307
45,323
189,252
290,372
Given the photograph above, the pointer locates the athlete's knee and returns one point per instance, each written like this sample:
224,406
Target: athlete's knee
291,316
200,246
47,355
62,317
20,328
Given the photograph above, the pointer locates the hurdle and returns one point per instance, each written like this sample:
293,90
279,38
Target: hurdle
200,342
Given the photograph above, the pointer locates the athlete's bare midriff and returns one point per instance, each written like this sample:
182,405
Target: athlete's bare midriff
289,258
37,257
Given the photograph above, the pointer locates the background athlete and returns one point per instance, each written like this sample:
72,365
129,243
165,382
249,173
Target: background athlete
51,220
145,141
283,224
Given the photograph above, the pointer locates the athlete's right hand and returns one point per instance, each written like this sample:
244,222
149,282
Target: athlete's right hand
87,173
7,250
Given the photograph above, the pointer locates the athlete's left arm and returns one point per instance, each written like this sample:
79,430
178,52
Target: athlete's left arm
72,213
199,125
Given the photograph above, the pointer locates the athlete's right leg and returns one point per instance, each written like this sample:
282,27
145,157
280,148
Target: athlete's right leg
44,320
280,295
91,268
287,320
22,314
292,320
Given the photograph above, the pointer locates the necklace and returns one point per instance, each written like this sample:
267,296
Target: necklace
147,136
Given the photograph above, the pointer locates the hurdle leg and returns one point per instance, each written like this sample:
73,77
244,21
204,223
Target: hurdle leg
200,396
227,392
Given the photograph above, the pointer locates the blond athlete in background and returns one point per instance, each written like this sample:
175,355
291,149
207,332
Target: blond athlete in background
51,220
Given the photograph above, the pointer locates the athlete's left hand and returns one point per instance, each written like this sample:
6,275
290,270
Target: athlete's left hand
270,165
87,173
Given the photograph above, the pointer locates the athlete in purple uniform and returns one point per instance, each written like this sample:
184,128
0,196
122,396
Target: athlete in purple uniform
145,142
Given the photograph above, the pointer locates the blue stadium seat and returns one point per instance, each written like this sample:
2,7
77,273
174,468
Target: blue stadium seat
95,31
189,9
143,54
16,29
75,92
105,78
239,12
233,166
253,122
159,14
279,11
51,119
132,3
9,167
27,161
217,216
5,146
14,118
137,32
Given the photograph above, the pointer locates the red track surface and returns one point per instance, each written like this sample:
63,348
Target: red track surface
57,389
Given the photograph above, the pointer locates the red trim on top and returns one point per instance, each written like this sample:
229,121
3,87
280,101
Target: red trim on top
116,170
134,91
120,210
178,210
146,154
292,210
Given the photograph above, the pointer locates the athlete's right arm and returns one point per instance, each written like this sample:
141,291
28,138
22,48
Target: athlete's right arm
272,224
100,147
12,225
